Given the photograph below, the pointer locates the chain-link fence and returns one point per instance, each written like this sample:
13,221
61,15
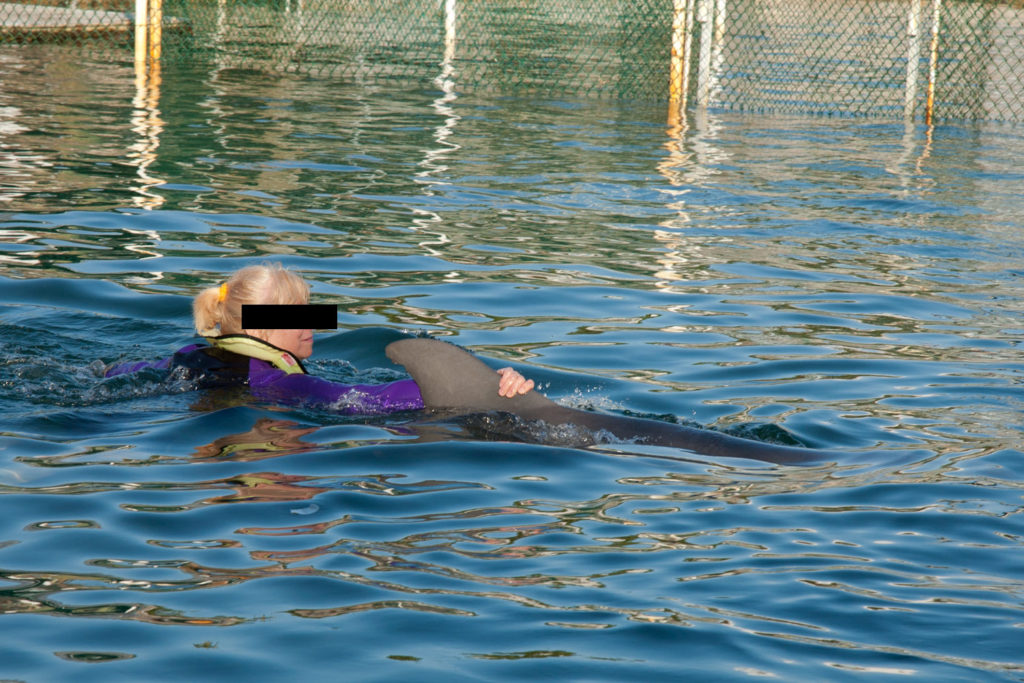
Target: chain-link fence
960,59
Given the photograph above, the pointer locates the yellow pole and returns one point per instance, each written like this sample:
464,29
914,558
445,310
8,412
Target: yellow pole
146,117
156,27
149,21
679,65
141,36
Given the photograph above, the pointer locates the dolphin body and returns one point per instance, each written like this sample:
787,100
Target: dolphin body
452,379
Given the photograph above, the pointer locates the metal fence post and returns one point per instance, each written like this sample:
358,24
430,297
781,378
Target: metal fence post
913,57
449,36
704,18
933,62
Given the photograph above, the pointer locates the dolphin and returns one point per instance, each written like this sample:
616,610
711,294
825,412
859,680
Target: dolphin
453,380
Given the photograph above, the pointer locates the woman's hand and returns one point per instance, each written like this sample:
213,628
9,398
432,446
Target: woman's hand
512,383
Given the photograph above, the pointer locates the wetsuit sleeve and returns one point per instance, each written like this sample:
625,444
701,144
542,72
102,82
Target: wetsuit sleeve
135,366
349,399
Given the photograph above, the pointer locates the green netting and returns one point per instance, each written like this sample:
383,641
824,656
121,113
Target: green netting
873,57
837,57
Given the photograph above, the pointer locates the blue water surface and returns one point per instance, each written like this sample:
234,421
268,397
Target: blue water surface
846,285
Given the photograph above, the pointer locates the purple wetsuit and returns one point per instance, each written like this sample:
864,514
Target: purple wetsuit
215,367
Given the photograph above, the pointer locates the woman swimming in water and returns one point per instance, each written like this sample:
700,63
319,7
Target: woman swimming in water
270,361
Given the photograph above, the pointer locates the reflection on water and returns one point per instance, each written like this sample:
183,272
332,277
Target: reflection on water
849,285
268,438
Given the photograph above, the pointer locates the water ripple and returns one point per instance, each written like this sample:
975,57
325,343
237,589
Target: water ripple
844,285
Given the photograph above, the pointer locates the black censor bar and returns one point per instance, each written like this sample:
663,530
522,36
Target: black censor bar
290,317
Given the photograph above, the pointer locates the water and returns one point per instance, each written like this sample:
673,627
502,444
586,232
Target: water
850,285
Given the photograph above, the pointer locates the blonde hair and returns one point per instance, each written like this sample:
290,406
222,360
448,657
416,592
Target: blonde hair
264,284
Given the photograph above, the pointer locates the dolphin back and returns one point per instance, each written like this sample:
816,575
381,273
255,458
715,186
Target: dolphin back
451,378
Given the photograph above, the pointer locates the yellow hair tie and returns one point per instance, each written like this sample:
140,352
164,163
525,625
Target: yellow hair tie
222,293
